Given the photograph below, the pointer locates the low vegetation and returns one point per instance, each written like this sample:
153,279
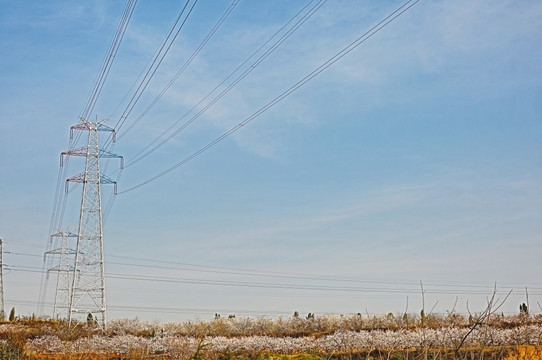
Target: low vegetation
386,337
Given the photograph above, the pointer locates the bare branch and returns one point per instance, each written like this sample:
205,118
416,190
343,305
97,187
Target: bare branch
455,304
527,298
492,307
433,308
423,296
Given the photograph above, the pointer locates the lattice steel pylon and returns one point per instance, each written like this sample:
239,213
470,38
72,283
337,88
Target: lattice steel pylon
64,270
87,293
2,313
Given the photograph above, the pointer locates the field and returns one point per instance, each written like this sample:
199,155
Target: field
385,337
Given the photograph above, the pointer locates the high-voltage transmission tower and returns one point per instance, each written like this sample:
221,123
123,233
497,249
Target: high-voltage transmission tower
64,271
87,292
2,313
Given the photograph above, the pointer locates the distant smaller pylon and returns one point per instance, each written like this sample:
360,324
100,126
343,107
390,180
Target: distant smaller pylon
63,269
2,313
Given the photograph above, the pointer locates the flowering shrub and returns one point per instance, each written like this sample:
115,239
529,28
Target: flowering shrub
340,341
380,336
298,326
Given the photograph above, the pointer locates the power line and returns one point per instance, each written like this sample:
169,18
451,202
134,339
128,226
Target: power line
188,311
108,61
383,23
185,65
283,286
112,198
159,57
143,153
246,272
268,274
93,98
184,291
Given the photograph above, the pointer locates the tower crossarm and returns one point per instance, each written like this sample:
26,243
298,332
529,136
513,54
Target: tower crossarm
86,126
59,251
58,268
84,151
92,126
61,233
80,178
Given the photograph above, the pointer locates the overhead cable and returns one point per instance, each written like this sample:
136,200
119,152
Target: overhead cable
159,57
182,266
108,61
383,23
144,152
183,68
269,285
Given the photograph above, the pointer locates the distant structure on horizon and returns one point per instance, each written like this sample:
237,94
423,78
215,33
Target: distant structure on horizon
2,313
64,271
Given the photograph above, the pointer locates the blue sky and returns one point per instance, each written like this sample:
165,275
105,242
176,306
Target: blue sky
416,157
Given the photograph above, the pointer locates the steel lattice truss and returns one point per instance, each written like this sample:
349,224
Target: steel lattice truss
2,314
87,295
64,270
